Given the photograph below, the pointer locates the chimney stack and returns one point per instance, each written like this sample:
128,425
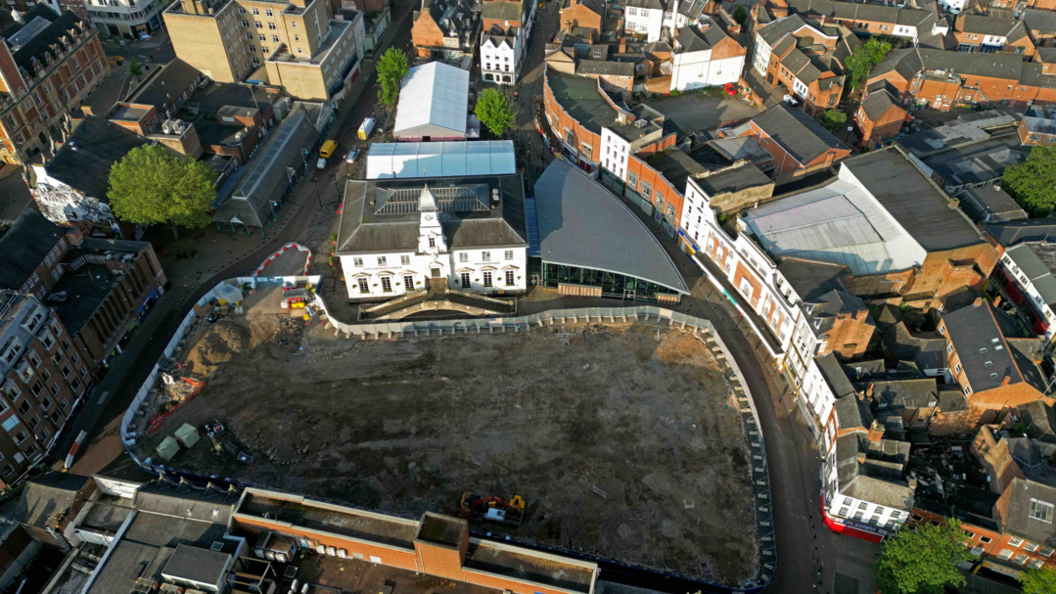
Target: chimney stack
623,45
869,390
1005,381
978,301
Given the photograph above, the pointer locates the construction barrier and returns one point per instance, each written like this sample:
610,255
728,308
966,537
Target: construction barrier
642,313
288,246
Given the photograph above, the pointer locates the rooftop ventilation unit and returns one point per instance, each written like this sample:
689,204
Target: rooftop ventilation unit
640,123
170,589
144,586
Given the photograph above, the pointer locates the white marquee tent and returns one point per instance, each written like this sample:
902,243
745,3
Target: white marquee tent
434,103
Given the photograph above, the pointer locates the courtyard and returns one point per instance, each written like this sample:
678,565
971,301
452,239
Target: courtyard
624,439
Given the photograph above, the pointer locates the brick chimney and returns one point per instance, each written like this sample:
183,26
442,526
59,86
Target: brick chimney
1005,381
861,315
869,391
623,45
978,301
876,432
997,301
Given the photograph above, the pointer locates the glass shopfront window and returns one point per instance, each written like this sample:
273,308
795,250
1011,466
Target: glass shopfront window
612,285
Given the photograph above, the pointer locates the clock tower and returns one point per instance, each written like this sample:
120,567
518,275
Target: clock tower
430,233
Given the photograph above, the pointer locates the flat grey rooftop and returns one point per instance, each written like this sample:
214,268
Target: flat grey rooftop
342,521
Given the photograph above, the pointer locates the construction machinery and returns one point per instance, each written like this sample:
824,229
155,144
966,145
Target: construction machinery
493,509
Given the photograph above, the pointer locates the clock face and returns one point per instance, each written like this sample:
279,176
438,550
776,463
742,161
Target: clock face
428,217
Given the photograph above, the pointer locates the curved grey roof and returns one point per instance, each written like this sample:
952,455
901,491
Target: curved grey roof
583,224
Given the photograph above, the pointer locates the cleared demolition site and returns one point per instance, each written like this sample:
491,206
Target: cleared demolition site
624,440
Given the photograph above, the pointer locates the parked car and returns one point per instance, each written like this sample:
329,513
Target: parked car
328,149
350,158
321,163
116,60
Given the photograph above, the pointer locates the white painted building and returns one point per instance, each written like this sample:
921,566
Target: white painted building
507,27
398,236
704,56
654,19
1029,266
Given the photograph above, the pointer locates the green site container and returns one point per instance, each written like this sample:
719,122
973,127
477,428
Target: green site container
187,435
167,448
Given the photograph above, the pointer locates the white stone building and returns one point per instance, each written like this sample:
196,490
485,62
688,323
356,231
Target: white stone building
654,19
705,56
402,235
507,27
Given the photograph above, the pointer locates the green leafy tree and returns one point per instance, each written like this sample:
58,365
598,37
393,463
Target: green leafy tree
832,119
392,67
1039,581
740,15
864,58
133,67
1033,182
493,110
152,185
922,561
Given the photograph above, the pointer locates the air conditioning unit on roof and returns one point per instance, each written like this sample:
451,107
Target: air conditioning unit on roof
170,589
144,586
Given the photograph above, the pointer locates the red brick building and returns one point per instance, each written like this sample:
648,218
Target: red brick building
98,288
434,545
459,36
880,115
45,73
989,34
993,370
43,373
942,79
798,143
582,14
613,142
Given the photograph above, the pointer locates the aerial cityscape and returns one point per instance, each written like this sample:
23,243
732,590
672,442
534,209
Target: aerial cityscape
527,297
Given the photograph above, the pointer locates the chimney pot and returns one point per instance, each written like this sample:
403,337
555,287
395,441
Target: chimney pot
978,301
869,390
1005,381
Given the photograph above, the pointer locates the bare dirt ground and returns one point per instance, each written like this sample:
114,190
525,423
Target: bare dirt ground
623,439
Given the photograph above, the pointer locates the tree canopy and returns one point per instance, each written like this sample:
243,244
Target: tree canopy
922,561
1039,581
740,15
493,110
864,58
152,185
392,67
1033,182
832,119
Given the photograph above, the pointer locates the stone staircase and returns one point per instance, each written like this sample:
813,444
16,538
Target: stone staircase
439,297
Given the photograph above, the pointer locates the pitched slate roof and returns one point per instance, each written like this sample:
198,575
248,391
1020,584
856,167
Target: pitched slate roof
38,45
1014,232
879,479
913,200
166,84
1040,21
878,103
841,386
775,31
45,496
366,229
907,393
1040,421
981,346
604,68
25,245
504,11
1013,29
1037,261
801,136
991,204
96,145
